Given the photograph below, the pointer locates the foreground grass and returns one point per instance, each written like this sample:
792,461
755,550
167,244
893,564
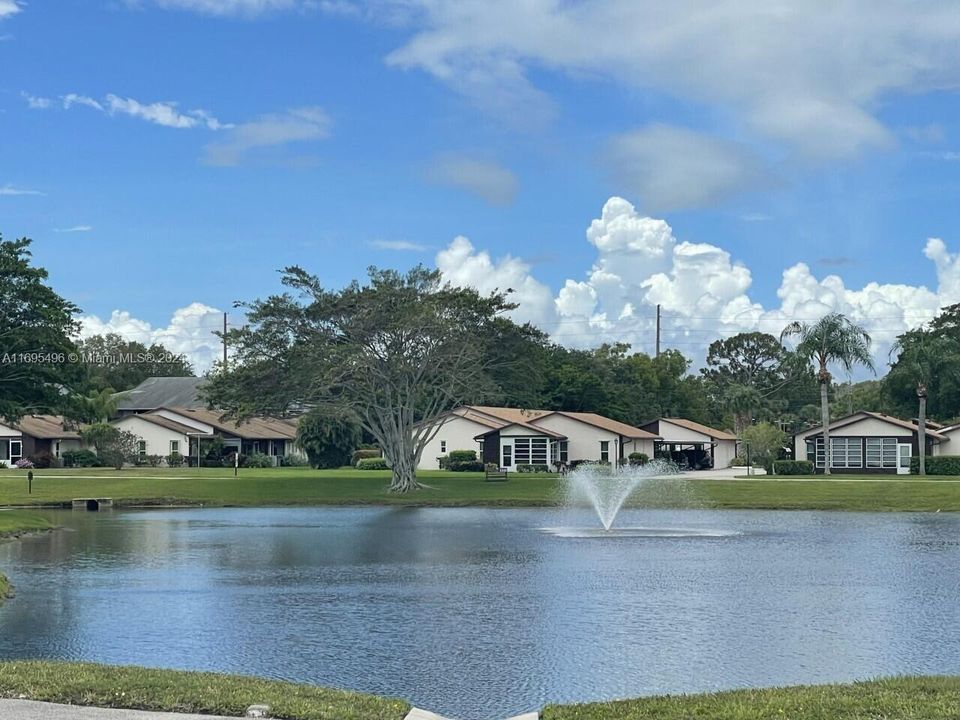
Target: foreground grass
16,522
901,698
303,486
190,692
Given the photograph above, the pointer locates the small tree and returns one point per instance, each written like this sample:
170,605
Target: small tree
114,447
328,439
765,441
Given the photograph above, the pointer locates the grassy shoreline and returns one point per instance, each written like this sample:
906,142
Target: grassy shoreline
217,487
14,524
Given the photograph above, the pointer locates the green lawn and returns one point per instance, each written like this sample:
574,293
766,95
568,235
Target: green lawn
16,522
903,698
189,692
303,486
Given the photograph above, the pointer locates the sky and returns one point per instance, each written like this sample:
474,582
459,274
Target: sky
742,164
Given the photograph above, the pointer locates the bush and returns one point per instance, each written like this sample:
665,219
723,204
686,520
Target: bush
294,461
364,453
574,464
175,460
258,460
532,468
638,458
44,460
462,455
79,458
328,438
937,464
24,464
372,463
465,466
793,467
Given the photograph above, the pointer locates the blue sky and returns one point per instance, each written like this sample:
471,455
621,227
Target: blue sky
171,154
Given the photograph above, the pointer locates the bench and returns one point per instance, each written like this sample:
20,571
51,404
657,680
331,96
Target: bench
495,475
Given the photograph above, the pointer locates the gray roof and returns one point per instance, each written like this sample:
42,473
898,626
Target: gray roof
157,392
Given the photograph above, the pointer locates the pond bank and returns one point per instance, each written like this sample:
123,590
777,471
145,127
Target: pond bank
13,525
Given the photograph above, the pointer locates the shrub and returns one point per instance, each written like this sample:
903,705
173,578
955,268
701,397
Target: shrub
44,460
79,458
295,461
259,460
491,467
793,467
937,464
364,453
24,464
114,446
462,455
465,466
175,460
574,464
372,463
328,438
638,458
532,468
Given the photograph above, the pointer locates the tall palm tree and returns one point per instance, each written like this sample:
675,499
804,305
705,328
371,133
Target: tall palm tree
926,359
101,405
834,339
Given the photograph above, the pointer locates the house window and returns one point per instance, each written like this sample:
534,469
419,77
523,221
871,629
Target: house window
845,452
142,448
16,449
604,451
563,451
174,446
538,451
443,446
507,456
881,452
481,449
521,451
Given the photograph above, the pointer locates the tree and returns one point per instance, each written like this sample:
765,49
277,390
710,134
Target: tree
329,440
113,362
113,445
834,339
37,369
925,358
765,442
99,405
398,353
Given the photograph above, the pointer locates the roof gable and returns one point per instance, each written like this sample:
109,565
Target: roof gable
604,423
697,427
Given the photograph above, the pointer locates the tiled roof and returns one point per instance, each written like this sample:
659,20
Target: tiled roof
614,426
863,414
164,422
255,428
697,427
47,427
157,392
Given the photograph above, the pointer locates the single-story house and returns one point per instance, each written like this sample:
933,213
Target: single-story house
166,428
32,435
509,437
868,442
699,445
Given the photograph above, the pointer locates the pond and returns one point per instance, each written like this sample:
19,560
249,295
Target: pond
480,613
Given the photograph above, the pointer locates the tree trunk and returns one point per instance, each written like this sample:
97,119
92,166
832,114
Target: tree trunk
403,464
922,428
825,418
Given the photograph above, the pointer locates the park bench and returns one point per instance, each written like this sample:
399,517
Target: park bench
495,475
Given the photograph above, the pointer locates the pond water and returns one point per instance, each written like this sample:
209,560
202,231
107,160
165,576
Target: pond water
480,613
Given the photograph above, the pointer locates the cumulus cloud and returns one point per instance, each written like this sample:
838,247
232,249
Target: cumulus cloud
159,113
703,291
487,180
671,167
9,8
189,332
246,8
269,131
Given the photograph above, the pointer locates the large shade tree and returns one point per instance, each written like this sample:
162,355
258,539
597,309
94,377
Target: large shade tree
38,368
833,340
398,353
120,364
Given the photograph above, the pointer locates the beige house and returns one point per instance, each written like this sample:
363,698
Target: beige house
33,435
509,437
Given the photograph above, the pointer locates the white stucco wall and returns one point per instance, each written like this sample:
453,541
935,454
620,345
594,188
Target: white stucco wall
157,438
583,439
678,433
724,452
458,434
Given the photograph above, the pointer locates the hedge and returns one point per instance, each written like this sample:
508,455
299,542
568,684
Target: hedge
372,463
79,458
638,458
937,465
462,455
532,469
362,453
793,467
465,466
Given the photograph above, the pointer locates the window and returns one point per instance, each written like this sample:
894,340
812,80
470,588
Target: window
481,449
846,452
881,452
141,447
604,451
16,449
521,451
443,446
563,451
507,456
174,446
538,451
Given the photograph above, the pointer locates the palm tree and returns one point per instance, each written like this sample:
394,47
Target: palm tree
925,358
834,339
101,405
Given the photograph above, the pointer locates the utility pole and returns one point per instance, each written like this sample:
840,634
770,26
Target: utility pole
224,342
658,330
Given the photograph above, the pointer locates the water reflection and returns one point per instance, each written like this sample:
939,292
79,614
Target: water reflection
478,613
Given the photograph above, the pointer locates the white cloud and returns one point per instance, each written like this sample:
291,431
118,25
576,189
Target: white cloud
296,125
247,8
704,292
487,180
398,245
74,229
189,332
10,190
671,167
159,113
9,8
